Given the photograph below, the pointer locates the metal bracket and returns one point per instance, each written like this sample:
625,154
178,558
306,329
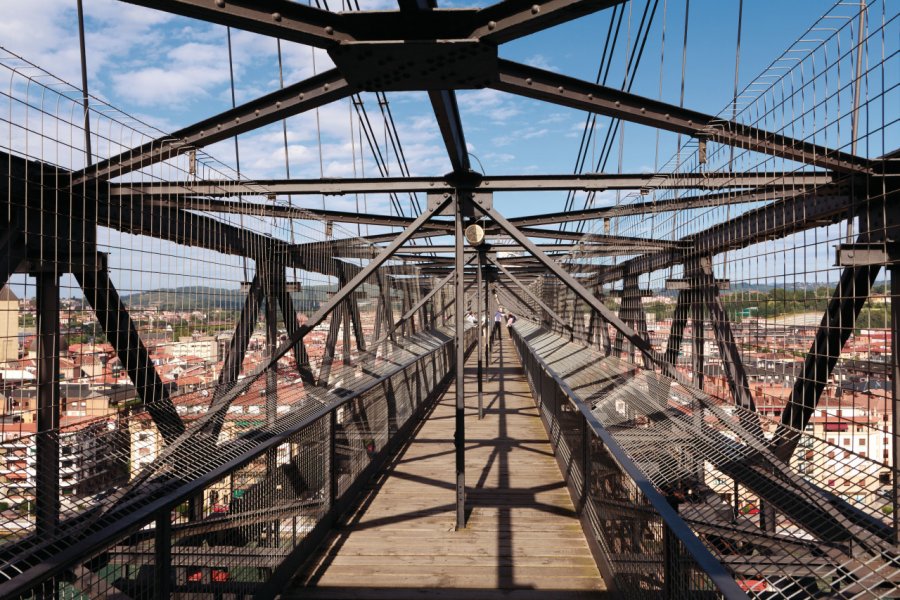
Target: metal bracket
485,199
291,287
74,263
865,255
641,293
415,65
677,284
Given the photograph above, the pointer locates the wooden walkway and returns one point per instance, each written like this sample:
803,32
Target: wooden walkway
522,540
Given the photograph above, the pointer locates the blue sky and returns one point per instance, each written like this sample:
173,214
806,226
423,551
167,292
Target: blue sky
171,71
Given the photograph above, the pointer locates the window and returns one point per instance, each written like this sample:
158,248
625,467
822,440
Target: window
831,482
862,441
830,440
846,441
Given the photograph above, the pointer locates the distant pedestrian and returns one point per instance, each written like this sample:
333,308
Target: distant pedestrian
510,319
498,318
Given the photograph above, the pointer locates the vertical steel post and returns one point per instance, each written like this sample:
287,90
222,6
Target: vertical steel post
478,326
698,337
47,444
270,286
895,395
332,460
460,435
487,320
163,552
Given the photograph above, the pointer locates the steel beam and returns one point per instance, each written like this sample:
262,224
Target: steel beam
797,213
773,184
416,307
12,252
459,435
667,205
728,348
531,294
551,87
323,311
627,332
271,108
895,400
120,330
240,339
450,123
282,19
512,19
289,314
46,478
334,329
835,329
480,332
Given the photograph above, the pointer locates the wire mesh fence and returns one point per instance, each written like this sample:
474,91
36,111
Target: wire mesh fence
185,403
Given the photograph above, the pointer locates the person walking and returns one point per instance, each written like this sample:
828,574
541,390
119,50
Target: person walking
498,319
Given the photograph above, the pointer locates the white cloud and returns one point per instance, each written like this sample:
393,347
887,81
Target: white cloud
495,105
541,62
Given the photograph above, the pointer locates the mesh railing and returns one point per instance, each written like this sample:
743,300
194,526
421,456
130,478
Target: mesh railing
688,446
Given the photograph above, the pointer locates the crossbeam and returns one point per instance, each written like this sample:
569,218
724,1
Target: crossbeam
539,84
292,100
495,183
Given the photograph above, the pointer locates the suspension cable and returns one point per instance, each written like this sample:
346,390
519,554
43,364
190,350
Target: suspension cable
237,148
84,87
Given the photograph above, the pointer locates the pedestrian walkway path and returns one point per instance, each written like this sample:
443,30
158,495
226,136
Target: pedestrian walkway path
522,540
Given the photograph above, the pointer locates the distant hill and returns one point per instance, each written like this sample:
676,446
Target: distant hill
203,298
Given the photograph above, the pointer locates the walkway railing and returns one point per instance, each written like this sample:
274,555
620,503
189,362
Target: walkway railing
640,543
281,486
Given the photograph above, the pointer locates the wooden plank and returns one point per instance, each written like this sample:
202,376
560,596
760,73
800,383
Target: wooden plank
523,539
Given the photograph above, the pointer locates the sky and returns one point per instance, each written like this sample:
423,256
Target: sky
171,71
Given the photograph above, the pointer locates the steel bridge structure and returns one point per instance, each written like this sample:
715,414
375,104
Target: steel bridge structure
714,357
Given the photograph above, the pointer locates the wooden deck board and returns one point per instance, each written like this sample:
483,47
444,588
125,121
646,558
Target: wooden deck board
522,539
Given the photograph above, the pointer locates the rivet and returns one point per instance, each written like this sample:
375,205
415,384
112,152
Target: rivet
277,17
220,3
278,104
618,104
667,115
560,89
590,96
237,119
643,110
528,81
325,87
302,96
329,30
492,25
219,126
256,112
690,123
535,9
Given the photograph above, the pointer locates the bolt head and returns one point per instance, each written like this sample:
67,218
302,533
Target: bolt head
329,30
535,9
492,25
220,3
277,17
